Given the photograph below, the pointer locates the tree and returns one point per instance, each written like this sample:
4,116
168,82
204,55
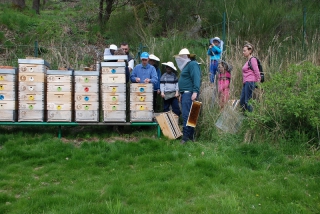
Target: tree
111,5
36,6
19,3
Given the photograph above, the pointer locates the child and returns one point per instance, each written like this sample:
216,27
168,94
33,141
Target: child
169,89
214,51
224,82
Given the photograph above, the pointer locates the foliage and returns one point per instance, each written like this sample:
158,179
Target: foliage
290,103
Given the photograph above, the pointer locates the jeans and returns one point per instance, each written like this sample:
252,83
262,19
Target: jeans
173,102
186,104
246,95
213,70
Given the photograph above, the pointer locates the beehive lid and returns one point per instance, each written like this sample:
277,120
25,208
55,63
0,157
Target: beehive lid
86,73
115,57
59,72
34,61
113,64
7,70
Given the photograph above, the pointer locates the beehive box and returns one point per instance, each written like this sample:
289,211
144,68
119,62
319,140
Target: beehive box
113,88
113,107
88,97
113,67
168,124
141,116
59,96
141,106
114,98
113,78
87,116
141,97
141,87
114,116
8,94
114,57
32,89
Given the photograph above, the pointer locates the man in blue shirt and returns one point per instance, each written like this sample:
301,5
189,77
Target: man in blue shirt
144,72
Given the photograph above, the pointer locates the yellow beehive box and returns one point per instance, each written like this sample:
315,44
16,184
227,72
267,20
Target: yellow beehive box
141,87
59,106
141,116
141,106
113,88
114,116
141,97
113,78
59,87
106,106
59,116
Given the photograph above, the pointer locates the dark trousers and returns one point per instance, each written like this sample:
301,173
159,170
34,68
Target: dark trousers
174,103
246,95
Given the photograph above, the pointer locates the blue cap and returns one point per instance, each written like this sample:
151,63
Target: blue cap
144,55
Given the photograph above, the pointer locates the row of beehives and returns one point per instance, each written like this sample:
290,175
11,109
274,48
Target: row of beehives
39,94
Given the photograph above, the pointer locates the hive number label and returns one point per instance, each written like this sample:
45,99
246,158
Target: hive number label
1,78
141,107
113,71
59,88
31,97
86,98
86,107
141,89
58,107
86,89
31,107
86,80
141,98
114,89
1,97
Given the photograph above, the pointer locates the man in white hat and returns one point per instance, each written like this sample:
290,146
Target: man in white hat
169,89
189,87
110,51
154,61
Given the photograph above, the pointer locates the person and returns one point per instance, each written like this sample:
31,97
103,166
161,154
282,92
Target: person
224,78
110,51
189,86
130,63
121,52
214,51
154,61
249,77
144,72
169,89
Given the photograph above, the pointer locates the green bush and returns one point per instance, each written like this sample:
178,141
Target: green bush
290,105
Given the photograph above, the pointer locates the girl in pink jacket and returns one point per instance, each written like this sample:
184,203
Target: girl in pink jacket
250,77
224,82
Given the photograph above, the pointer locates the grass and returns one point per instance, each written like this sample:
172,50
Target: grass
42,174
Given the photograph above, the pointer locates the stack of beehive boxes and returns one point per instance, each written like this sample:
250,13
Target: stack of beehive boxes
113,89
8,94
59,96
32,93
141,102
86,95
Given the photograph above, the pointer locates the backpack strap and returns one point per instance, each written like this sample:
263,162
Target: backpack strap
249,63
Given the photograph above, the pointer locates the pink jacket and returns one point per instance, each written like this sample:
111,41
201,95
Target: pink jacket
248,75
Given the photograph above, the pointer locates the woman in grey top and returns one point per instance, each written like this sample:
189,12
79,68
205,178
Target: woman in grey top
169,89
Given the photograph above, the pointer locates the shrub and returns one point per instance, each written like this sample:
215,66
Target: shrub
290,104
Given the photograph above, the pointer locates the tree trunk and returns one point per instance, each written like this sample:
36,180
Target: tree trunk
36,6
19,3
44,2
108,10
100,11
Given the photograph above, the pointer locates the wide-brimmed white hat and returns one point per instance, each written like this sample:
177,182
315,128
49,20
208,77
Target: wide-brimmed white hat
113,47
154,57
184,51
170,64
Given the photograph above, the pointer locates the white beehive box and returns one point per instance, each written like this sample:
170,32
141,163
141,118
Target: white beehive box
8,94
113,88
114,116
141,97
114,98
141,116
114,57
87,97
59,116
59,87
63,106
87,116
141,87
113,67
113,78
32,86
141,106
113,107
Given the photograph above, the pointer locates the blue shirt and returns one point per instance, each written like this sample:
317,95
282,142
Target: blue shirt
214,53
144,72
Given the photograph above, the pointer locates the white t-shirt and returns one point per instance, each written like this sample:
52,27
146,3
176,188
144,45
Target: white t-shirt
131,64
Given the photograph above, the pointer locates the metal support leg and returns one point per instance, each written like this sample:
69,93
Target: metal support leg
59,133
159,131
